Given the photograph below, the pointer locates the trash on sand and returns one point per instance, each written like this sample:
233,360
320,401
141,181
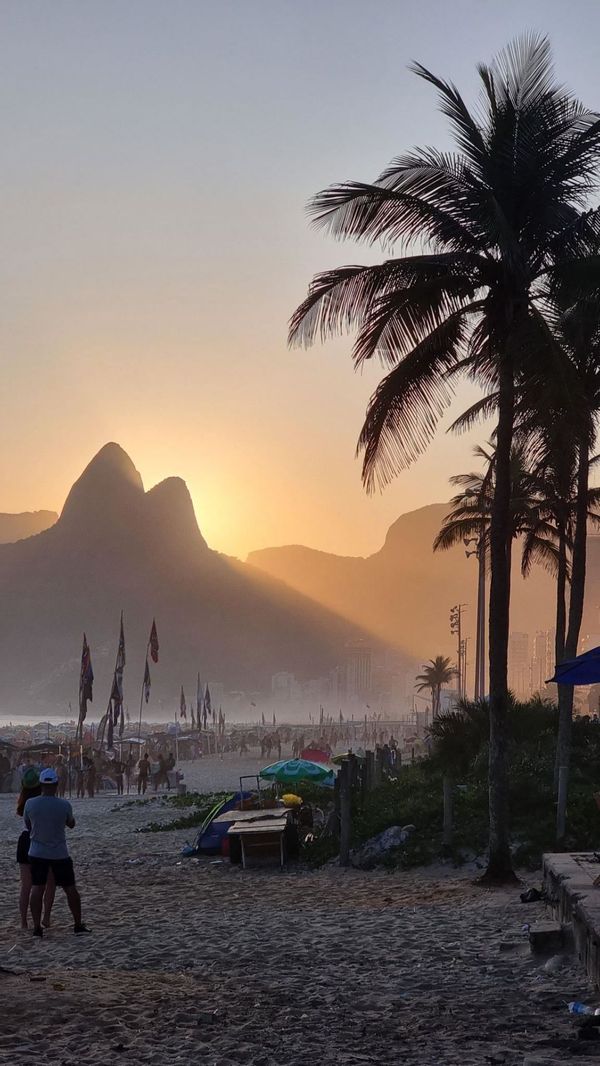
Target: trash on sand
576,1007
533,895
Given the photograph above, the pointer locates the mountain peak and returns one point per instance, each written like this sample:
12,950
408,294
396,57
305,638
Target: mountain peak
109,484
169,505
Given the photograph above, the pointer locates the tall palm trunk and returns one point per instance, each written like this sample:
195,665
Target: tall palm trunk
578,569
499,864
561,589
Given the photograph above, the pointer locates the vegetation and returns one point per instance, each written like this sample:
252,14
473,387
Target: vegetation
497,279
436,673
459,748
198,804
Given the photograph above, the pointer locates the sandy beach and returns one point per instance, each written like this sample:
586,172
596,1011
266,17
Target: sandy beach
197,960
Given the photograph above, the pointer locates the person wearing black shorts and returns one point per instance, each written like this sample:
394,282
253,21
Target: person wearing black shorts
30,787
46,817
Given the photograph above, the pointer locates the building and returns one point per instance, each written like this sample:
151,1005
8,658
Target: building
542,662
358,670
518,664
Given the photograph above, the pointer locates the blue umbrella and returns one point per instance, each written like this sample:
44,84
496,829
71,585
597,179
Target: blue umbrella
289,771
584,670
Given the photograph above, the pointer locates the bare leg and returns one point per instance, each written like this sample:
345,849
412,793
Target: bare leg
24,894
48,899
74,901
37,893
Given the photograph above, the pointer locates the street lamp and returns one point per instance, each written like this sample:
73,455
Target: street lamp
456,630
479,551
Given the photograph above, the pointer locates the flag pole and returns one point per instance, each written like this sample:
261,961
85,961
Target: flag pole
142,695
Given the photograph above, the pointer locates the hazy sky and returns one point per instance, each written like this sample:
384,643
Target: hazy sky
156,160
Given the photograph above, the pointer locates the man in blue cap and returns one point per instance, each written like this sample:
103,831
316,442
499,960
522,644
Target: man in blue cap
46,817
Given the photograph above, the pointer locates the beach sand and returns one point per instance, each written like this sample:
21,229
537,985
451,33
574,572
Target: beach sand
198,961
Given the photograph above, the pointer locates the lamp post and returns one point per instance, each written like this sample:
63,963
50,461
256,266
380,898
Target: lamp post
479,551
456,630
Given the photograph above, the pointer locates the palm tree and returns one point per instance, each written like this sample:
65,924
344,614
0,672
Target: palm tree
436,673
471,509
495,219
575,424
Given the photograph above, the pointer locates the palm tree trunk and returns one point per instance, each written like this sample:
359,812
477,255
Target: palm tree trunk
561,588
578,569
499,862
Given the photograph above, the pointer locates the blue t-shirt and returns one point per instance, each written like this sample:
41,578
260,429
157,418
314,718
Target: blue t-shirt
46,818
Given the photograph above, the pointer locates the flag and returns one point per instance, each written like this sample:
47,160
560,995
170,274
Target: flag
263,718
121,652
274,719
221,721
182,705
153,642
321,715
207,703
199,703
86,679
341,715
147,682
252,703
120,664
115,693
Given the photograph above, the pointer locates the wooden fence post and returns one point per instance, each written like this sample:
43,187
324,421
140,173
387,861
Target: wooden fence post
378,765
370,770
447,812
345,812
561,806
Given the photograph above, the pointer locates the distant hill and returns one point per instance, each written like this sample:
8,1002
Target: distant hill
116,547
18,526
403,592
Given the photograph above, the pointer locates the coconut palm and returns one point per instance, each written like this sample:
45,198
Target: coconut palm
530,517
436,673
496,220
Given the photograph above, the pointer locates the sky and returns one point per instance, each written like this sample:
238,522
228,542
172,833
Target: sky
157,158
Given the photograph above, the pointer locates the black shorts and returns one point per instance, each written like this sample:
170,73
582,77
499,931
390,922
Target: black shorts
64,875
23,848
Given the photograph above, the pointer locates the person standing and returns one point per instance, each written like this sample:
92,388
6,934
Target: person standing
91,777
143,772
46,817
30,788
118,771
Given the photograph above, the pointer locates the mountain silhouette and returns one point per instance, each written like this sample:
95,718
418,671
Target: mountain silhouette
403,592
116,546
17,526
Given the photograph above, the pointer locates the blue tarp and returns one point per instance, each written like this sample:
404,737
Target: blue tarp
584,670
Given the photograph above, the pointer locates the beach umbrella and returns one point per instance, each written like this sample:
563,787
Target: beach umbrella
291,770
584,670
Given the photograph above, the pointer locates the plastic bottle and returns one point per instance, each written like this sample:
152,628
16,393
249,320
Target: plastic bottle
576,1007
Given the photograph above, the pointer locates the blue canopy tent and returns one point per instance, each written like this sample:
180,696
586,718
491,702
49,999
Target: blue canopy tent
584,670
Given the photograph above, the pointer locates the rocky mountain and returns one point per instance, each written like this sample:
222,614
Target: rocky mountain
116,546
403,592
18,526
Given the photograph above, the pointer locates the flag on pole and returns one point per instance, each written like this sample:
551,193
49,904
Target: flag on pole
221,722
263,718
274,719
147,682
207,703
341,715
199,704
86,680
153,642
182,705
